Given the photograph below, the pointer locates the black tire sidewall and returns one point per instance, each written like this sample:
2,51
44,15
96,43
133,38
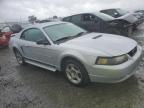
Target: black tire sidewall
23,61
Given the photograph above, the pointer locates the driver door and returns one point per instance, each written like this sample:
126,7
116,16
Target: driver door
91,22
41,53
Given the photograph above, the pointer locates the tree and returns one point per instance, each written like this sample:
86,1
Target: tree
32,19
55,17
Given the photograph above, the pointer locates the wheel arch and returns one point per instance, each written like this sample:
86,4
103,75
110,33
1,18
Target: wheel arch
85,75
62,61
14,49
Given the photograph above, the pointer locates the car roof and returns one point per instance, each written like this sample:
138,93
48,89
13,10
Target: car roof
103,16
42,25
110,9
83,13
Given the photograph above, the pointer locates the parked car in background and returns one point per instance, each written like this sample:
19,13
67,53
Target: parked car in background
130,17
5,36
140,13
100,22
6,33
43,21
116,13
82,56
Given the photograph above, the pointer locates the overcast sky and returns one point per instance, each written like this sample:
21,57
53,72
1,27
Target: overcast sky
21,9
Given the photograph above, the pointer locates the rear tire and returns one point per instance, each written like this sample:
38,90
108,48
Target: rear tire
19,57
75,72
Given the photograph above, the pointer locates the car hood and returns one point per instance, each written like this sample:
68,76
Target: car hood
108,44
129,17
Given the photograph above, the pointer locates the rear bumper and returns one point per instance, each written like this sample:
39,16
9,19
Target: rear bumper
117,73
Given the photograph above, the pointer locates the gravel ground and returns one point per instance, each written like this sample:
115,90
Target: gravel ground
32,87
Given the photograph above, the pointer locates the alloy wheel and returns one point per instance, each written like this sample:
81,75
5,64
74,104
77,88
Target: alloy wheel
19,57
73,73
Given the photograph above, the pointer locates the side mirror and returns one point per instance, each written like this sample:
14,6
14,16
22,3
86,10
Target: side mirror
43,42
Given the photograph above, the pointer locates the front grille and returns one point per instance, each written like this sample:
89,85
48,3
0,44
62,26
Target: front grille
132,52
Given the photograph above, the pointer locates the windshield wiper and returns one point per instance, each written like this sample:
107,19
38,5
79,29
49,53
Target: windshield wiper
64,38
80,34
70,37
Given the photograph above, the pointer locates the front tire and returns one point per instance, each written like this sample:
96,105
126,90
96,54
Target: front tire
19,57
76,73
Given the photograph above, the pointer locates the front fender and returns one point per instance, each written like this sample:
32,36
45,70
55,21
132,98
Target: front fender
82,57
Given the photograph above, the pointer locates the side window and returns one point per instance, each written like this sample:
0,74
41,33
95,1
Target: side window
76,19
89,17
33,35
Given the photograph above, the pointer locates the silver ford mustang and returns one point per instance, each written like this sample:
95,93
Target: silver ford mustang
82,56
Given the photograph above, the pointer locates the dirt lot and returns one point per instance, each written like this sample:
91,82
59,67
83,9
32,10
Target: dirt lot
32,87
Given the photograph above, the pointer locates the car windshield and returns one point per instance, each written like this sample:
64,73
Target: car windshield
103,16
63,31
121,12
140,11
115,12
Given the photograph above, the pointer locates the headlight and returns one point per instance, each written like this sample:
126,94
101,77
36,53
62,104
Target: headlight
111,60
